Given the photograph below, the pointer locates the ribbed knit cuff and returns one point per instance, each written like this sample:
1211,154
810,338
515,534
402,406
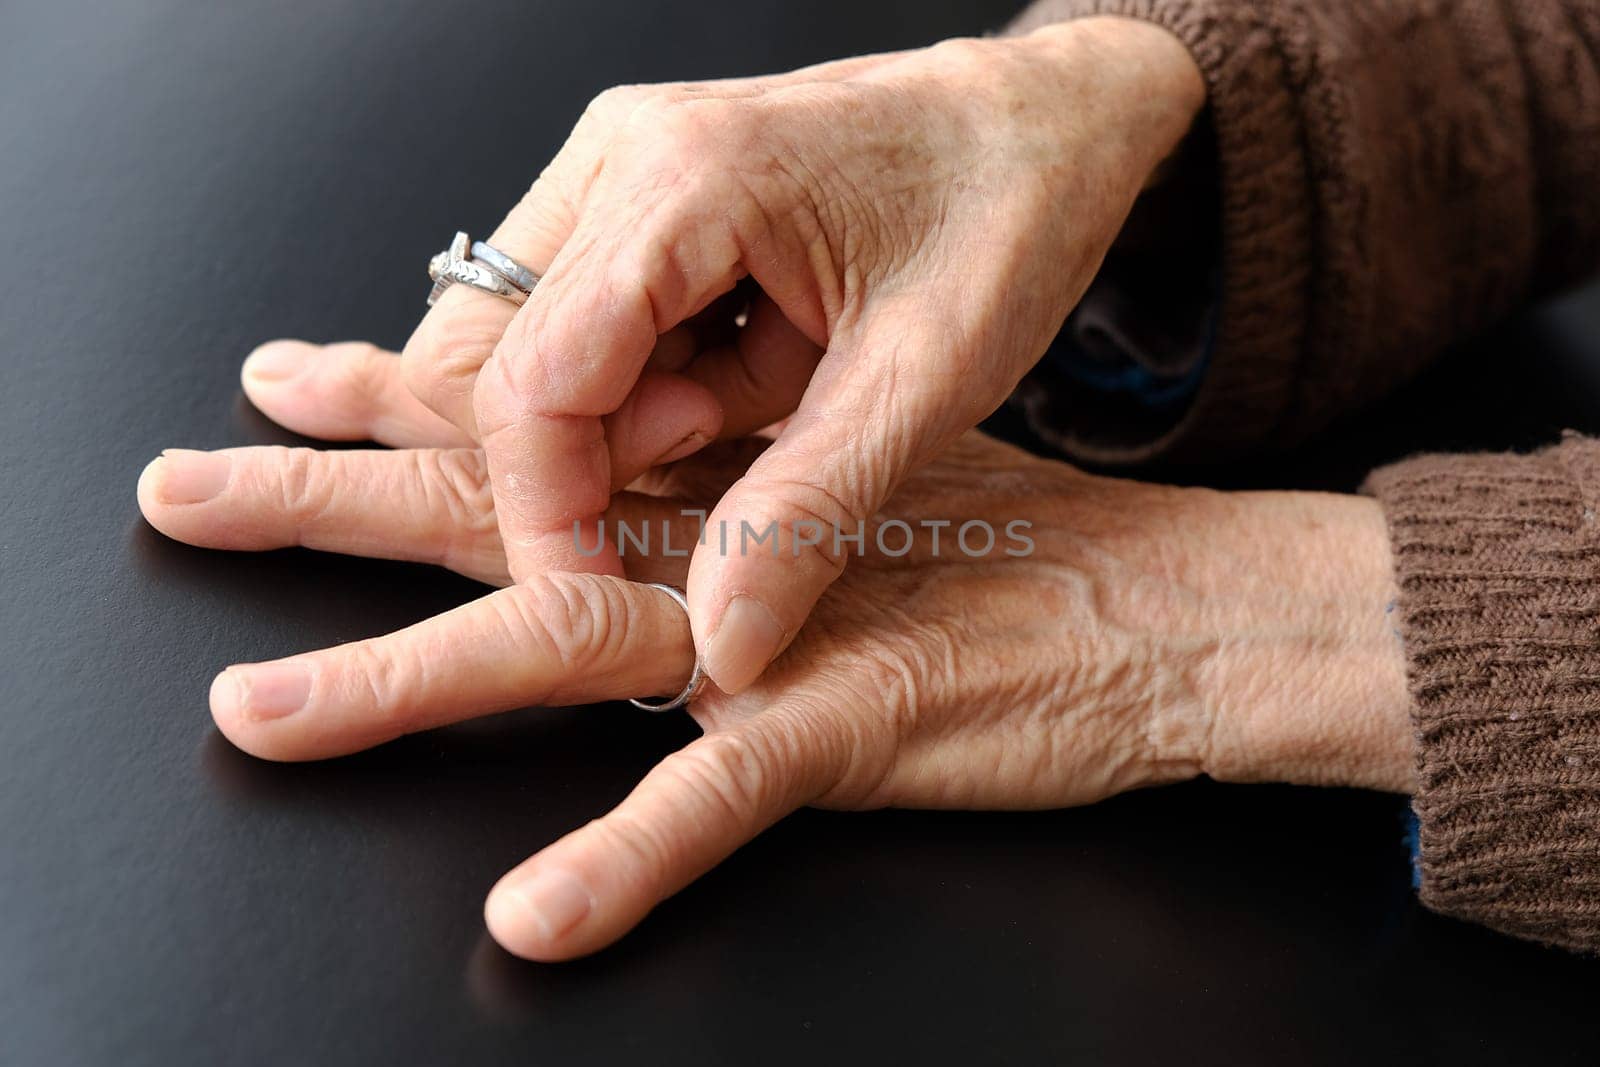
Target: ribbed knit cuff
1498,561
1266,222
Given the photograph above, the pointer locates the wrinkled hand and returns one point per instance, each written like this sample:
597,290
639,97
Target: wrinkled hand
906,233
1151,634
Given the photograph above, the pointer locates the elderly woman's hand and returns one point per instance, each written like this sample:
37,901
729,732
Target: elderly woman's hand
920,222
1126,635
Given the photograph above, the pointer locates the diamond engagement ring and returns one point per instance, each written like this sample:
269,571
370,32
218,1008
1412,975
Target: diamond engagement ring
697,678
454,265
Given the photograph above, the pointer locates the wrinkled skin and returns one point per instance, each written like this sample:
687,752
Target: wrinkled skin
1152,634
905,233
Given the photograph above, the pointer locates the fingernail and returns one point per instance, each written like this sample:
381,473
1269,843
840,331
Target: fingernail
189,477
745,641
277,361
555,901
271,690
688,446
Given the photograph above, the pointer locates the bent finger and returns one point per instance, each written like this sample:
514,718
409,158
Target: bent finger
761,374
572,356
664,418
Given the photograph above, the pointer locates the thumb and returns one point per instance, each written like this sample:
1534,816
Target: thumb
687,815
782,534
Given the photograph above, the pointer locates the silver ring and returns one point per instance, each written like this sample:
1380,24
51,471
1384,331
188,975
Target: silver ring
504,265
697,679
454,265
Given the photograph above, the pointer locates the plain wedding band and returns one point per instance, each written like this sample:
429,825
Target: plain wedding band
697,678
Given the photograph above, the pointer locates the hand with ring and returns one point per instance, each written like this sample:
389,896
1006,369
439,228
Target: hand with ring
874,250
1127,635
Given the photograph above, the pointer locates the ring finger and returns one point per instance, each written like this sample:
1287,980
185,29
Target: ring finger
556,640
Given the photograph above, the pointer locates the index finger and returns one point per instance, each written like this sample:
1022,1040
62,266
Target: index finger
642,260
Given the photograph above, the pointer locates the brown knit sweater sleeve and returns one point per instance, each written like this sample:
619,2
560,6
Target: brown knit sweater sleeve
1392,175
1498,561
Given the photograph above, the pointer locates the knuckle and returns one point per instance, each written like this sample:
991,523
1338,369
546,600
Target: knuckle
691,124
729,773
444,355
460,479
607,609
722,782
524,373
519,384
648,847
793,504
578,623
902,670
358,379
545,215
456,488
613,106
366,360
536,610
305,492
688,136
963,55
522,616
497,395
551,367
386,679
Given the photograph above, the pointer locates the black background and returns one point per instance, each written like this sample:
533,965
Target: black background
179,181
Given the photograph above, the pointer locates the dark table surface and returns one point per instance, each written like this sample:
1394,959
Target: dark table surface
179,181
